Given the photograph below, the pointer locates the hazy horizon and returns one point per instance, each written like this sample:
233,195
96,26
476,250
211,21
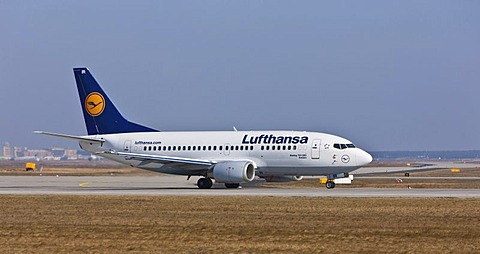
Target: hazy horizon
389,76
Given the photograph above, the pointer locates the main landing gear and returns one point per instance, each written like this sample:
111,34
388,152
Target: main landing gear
204,183
232,185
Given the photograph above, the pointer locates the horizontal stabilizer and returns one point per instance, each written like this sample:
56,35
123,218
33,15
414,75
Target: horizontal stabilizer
79,138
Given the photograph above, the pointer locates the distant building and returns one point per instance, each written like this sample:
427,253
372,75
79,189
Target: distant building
19,151
58,152
7,151
37,153
70,154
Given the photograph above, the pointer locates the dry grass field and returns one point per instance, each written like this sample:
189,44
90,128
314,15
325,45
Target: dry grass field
114,224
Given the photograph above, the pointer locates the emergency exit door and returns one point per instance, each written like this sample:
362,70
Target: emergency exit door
316,149
126,147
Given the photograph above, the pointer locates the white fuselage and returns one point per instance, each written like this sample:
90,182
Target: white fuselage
273,153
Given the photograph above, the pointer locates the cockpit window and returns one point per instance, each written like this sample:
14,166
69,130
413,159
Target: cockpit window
343,146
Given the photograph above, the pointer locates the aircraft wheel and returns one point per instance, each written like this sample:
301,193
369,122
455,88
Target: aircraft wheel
204,183
232,185
330,184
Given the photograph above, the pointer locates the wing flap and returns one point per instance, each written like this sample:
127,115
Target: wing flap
174,162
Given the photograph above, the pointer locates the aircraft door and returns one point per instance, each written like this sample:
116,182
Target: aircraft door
226,150
316,149
127,145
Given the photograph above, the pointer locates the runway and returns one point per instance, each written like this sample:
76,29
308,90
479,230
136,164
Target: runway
165,185
428,165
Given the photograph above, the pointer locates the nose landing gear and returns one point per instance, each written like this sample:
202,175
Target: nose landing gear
331,179
330,184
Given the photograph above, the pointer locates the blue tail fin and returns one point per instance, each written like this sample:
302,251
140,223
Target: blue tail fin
101,116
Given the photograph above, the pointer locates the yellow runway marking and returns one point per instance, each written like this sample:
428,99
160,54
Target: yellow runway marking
84,184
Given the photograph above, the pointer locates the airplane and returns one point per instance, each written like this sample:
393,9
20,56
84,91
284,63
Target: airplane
228,157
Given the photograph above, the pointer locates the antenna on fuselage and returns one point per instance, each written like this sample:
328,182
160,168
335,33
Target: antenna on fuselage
234,128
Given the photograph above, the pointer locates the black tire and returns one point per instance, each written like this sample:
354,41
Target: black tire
204,183
232,185
330,184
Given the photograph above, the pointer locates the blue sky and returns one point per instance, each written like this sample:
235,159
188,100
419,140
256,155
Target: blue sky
388,75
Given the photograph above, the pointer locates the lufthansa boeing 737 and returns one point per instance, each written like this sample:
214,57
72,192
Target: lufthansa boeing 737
229,157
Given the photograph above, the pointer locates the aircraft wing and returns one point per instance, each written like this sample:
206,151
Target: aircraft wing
174,162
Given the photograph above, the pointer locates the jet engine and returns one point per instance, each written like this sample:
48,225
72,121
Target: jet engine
234,172
283,178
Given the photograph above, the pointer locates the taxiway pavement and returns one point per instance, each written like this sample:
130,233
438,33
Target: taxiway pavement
426,166
178,186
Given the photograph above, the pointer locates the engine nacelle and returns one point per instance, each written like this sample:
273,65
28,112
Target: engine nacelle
283,178
234,172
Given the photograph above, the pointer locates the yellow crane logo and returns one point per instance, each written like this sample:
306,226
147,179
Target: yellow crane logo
94,104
